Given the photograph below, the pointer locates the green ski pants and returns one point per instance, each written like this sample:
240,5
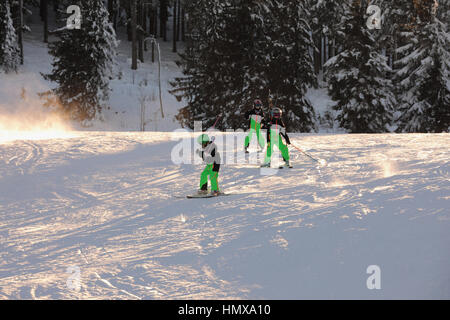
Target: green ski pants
276,140
255,127
213,176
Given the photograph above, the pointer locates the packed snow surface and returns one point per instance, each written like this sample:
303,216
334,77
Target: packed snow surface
110,206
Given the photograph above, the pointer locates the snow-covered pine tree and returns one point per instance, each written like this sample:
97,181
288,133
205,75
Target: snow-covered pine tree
398,24
358,77
207,85
83,63
257,19
224,63
325,19
243,49
425,101
396,17
9,50
290,66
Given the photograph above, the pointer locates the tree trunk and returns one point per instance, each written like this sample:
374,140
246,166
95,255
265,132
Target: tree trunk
44,10
112,10
151,16
161,23
140,33
41,7
144,22
129,33
165,31
129,23
133,35
317,53
178,20
183,29
155,21
163,15
174,33
155,30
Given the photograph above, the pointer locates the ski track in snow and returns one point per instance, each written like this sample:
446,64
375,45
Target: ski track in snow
105,202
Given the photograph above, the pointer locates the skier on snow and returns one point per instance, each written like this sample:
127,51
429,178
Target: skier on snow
211,157
275,130
256,116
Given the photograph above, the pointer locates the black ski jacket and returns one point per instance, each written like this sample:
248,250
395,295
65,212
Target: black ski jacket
210,155
256,114
276,124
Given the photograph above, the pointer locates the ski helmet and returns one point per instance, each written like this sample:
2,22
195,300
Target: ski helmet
257,103
203,138
276,113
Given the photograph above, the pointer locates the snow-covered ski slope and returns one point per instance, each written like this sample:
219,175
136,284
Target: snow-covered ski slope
106,203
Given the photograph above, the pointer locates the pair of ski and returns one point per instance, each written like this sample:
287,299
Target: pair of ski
207,195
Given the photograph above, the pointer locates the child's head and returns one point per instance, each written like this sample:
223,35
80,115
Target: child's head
276,113
203,140
257,103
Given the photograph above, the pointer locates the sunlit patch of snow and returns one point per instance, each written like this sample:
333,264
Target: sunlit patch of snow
389,168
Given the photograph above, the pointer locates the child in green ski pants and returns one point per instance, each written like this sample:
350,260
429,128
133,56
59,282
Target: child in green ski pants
256,116
211,157
276,129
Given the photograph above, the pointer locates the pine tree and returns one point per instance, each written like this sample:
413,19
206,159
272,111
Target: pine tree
222,63
83,63
425,102
398,33
240,51
325,20
397,17
401,17
290,68
204,64
358,77
251,48
9,50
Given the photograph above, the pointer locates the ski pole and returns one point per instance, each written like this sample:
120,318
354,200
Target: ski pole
217,119
306,154
270,100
